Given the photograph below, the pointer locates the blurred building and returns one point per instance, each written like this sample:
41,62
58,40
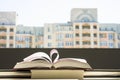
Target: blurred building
109,35
7,29
29,37
82,31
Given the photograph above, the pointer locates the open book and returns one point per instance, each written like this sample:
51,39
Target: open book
41,60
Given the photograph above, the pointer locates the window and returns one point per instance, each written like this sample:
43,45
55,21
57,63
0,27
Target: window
77,42
118,36
69,43
11,45
106,29
86,27
3,45
110,36
11,30
118,45
102,35
49,36
77,34
3,37
76,26
69,35
48,29
95,42
86,43
3,30
11,37
3,23
60,44
30,32
103,43
94,27
112,29
60,37
95,35
111,45
49,44
86,35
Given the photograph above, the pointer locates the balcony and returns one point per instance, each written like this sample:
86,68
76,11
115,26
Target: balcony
104,47
95,30
103,39
11,33
11,41
3,33
86,38
3,41
86,31
86,46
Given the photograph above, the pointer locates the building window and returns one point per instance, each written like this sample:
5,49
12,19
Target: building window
94,27
111,45
95,42
11,45
3,37
118,36
11,29
86,27
48,29
103,43
69,43
3,30
118,45
11,37
60,44
95,35
102,35
60,37
86,43
110,36
3,23
77,34
2,45
68,35
106,29
49,44
77,42
49,36
86,35
76,26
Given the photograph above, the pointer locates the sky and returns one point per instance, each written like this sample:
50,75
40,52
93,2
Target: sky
39,12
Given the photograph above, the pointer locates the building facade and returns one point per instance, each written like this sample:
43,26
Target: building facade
29,37
7,29
82,31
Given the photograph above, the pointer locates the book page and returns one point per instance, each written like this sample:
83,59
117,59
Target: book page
77,59
72,63
38,55
53,52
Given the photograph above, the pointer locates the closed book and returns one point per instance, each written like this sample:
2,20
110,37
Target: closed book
57,74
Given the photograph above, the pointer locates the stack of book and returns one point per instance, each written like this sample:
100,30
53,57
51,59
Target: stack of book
42,66
96,74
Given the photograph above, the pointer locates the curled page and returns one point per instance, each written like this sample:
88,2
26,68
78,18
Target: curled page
38,55
52,52
76,59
